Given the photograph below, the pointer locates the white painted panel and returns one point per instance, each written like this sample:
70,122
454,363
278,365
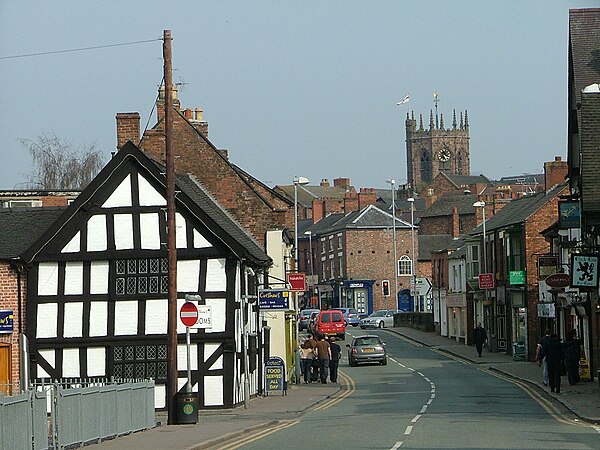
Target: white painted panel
121,196
98,319
48,278
156,316
182,357
180,231
74,278
123,231
70,368
213,390
149,231
96,230
73,326
99,277
47,320
216,280
218,364
160,395
218,311
188,274
74,244
148,195
96,361
49,356
200,241
181,383
126,314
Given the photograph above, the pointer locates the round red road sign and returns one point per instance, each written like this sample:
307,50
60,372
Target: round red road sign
188,314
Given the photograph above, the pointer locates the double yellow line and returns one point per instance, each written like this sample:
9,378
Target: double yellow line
348,388
347,391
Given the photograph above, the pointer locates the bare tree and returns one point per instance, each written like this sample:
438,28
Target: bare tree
57,164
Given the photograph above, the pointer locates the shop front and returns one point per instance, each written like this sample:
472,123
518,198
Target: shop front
456,305
357,294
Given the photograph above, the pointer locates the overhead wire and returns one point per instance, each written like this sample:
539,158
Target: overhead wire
96,47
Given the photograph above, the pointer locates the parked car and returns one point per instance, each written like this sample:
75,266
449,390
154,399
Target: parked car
331,323
366,349
351,316
312,322
379,319
304,317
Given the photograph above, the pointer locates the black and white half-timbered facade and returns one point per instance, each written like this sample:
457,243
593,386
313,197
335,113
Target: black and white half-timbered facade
97,286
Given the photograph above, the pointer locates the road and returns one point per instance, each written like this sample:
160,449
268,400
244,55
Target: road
425,399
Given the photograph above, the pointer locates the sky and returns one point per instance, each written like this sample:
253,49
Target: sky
293,88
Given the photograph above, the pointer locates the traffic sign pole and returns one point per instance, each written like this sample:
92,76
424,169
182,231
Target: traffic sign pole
189,316
189,369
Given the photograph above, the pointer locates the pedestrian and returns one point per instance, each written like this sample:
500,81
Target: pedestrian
324,355
541,360
572,354
480,337
306,361
552,350
312,343
336,355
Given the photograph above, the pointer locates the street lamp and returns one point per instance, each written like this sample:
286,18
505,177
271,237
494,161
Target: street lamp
392,183
481,204
297,181
414,256
312,272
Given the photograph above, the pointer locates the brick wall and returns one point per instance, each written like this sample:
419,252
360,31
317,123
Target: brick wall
9,300
255,207
370,255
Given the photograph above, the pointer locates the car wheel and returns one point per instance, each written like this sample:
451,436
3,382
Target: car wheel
384,362
352,362
381,324
343,336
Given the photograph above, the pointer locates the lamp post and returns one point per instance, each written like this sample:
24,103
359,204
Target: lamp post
414,256
481,204
297,181
312,272
392,183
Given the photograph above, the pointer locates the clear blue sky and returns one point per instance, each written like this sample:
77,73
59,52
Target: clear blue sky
295,87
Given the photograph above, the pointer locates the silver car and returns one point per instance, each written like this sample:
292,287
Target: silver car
366,349
379,319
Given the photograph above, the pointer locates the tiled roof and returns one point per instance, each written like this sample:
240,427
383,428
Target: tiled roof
21,227
518,211
443,205
462,180
308,193
432,243
584,43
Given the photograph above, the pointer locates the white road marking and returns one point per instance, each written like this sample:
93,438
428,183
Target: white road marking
396,445
417,417
420,373
408,430
432,395
423,409
429,401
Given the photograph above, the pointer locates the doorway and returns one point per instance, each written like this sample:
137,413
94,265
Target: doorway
5,369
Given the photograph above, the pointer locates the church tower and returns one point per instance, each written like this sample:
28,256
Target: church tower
436,149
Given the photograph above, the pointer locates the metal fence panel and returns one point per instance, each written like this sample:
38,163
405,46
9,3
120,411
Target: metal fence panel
40,420
16,422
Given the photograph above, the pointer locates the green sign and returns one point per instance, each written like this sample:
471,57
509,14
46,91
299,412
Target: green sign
517,277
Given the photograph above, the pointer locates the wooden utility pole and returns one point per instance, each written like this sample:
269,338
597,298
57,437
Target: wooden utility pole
171,242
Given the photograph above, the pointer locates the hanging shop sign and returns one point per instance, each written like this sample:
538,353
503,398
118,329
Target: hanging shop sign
517,277
558,280
274,299
584,271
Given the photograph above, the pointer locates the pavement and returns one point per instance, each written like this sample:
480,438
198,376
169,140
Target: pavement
219,426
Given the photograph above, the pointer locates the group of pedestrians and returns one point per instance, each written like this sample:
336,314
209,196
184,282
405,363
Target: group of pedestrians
553,354
319,359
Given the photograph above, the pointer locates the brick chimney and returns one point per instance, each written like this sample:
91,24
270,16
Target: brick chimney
160,103
555,172
366,197
128,128
342,182
197,120
350,202
456,222
318,209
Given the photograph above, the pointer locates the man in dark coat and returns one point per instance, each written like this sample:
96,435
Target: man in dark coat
479,336
552,350
572,353
324,356
336,354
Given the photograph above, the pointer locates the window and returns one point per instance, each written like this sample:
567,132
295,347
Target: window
140,361
405,266
22,203
323,248
473,260
341,265
515,260
330,243
340,241
141,276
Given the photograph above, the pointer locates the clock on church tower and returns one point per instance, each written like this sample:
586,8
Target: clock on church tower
436,149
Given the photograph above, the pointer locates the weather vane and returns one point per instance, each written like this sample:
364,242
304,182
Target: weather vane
436,100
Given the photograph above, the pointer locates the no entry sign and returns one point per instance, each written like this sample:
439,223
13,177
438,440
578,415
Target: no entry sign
188,314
